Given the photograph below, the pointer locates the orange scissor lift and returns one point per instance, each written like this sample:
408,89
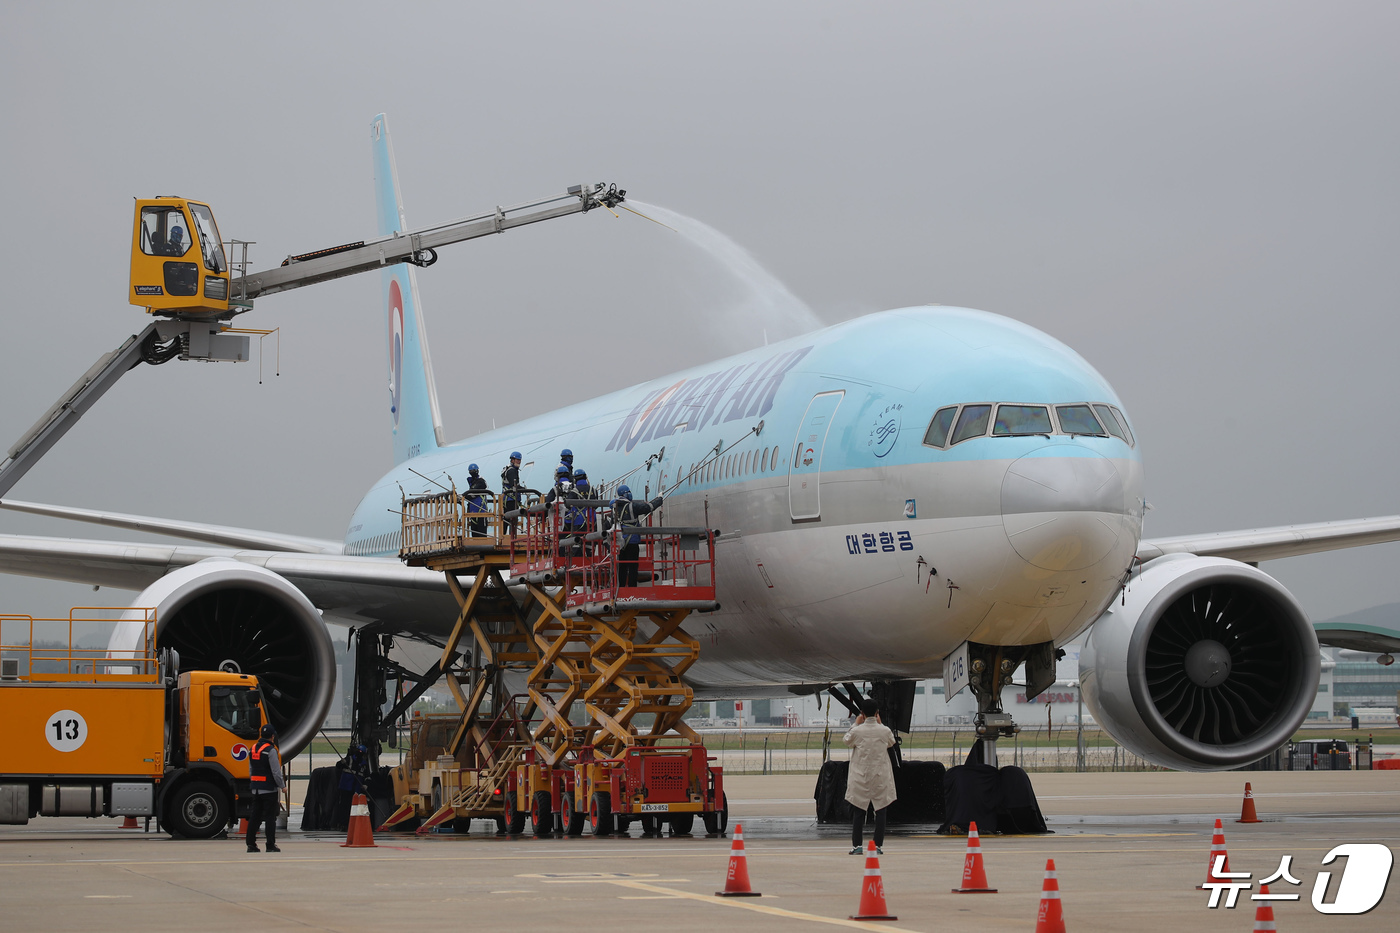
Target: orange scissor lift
598,739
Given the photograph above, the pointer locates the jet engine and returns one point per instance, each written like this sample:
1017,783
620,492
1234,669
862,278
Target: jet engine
1207,664
224,614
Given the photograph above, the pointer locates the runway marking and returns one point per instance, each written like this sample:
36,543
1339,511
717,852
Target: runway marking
96,897
1060,841
1229,796
1062,834
747,904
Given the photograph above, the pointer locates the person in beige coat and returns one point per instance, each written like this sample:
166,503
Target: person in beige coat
870,780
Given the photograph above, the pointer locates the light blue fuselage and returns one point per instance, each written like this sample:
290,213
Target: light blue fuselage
852,550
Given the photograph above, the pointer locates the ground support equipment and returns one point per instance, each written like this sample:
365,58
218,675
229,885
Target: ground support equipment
599,737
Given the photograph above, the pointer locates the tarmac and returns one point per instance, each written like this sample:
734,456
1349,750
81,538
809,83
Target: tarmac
1130,849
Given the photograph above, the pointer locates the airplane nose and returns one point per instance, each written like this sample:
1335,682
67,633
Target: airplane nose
1062,512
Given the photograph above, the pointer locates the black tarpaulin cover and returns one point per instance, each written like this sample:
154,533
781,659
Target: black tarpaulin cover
998,800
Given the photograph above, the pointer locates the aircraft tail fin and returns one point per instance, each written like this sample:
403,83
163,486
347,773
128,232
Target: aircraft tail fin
413,405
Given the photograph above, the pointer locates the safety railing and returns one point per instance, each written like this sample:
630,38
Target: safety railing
451,521
605,565
36,649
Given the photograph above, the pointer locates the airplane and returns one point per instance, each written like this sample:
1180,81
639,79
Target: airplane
895,493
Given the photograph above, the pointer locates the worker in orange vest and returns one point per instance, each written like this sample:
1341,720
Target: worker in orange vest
265,782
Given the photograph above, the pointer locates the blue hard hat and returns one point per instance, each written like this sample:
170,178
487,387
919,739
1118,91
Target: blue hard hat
562,470
624,491
515,455
566,454
473,468
579,474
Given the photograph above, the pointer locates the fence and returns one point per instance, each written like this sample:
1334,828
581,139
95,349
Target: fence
799,751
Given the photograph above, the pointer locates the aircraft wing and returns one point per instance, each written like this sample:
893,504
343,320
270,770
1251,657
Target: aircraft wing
190,531
1273,543
349,590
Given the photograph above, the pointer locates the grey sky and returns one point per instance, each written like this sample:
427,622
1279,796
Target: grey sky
1200,198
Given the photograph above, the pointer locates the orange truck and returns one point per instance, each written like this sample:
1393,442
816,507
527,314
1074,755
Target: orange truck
93,734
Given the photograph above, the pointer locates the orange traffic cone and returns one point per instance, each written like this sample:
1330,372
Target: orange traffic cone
1051,918
242,828
736,880
1264,914
872,889
974,879
130,823
1217,851
1247,814
359,834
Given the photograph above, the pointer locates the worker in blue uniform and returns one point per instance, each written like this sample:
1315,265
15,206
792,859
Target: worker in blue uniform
476,505
625,511
511,490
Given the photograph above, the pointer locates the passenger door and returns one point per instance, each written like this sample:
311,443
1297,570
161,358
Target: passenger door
804,473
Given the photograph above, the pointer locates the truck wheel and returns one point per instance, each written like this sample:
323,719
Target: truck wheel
198,810
541,814
718,821
515,820
651,826
681,824
600,815
437,796
461,825
573,818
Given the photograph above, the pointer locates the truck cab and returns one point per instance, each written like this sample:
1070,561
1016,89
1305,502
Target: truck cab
215,720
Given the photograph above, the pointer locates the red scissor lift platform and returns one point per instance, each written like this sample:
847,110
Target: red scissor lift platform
606,697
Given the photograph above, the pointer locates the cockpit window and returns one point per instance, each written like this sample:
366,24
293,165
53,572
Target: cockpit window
1022,419
1123,423
937,433
972,422
1110,422
1078,419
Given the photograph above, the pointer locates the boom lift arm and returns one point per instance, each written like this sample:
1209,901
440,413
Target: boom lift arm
419,247
193,329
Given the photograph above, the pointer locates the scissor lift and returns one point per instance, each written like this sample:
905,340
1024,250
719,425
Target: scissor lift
603,663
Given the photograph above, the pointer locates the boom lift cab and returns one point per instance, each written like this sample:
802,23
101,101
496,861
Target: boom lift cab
178,264
122,736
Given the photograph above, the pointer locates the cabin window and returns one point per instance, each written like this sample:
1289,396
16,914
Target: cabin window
235,709
774,460
209,243
1110,422
972,422
1078,419
164,231
937,433
765,460
1022,419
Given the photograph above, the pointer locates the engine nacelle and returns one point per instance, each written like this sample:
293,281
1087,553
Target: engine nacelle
221,610
1208,664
